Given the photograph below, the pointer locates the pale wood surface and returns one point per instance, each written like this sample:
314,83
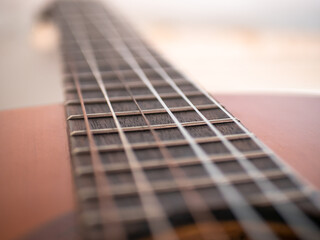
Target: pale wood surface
35,176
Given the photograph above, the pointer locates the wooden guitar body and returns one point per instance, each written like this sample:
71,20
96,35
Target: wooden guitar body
37,199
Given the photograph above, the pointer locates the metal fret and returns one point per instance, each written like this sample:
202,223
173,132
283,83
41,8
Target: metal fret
159,126
106,73
136,215
116,85
136,112
183,161
117,147
169,186
124,99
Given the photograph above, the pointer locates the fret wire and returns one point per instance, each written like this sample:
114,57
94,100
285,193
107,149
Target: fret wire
106,72
140,178
101,61
96,50
159,126
181,142
132,84
72,42
78,61
182,161
292,214
124,99
254,200
196,184
105,202
169,186
231,194
137,112
192,198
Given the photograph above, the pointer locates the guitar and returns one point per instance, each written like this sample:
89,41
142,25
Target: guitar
148,154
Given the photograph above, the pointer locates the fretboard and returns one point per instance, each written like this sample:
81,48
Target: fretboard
156,157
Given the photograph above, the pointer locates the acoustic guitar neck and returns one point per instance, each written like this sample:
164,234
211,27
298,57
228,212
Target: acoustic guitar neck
156,157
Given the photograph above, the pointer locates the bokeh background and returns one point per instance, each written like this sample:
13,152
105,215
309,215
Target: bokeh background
230,46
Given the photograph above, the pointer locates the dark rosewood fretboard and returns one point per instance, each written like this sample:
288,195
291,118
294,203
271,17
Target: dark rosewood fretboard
154,156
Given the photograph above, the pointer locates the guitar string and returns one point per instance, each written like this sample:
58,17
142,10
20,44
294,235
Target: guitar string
283,166
295,218
305,187
106,203
233,197
192,198
148,199
139,180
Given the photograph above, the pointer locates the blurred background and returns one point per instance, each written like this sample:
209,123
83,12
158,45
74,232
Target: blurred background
230,46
